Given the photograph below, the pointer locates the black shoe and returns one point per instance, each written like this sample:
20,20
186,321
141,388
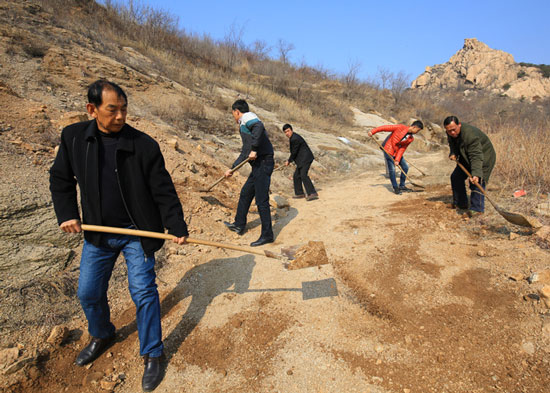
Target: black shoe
95,348
261,241
152,374
397,191
405,189
312,197
232,227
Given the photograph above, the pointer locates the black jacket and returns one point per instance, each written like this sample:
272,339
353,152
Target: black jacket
254,137
300,152
146,187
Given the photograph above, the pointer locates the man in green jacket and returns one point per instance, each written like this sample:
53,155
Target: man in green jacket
473,149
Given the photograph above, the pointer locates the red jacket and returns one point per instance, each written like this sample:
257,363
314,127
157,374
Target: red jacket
398,141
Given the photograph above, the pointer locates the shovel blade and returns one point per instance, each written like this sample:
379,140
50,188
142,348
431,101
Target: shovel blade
520,219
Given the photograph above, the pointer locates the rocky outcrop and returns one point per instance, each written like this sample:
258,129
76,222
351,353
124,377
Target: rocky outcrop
476,66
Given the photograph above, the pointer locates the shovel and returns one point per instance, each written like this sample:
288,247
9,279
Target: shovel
279,168
514,218
414,183
223,177
415,167
167,236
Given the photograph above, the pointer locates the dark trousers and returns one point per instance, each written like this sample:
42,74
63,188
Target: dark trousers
460,197
257,186
300,177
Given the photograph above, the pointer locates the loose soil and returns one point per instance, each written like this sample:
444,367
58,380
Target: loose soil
421,300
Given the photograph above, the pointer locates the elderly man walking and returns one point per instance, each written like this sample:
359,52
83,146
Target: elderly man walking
123,183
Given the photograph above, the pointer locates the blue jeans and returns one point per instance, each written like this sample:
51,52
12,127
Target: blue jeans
96,266
257,186
460,197
391,170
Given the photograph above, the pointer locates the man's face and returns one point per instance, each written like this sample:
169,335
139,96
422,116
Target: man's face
236,114
414,129
288,133
453,129
111,114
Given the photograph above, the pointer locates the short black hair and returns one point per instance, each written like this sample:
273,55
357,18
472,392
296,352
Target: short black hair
95,90
241,105
451,119
417,123
287,126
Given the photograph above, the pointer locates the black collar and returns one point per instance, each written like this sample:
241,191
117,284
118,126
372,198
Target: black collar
125,140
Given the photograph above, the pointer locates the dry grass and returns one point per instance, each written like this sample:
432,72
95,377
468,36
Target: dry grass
523,155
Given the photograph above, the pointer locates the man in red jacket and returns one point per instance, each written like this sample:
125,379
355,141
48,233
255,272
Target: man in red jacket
395,146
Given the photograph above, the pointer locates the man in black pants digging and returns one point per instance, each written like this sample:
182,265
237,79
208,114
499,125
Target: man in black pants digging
258,148
301,154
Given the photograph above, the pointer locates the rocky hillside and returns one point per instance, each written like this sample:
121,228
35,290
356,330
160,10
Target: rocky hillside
45,69
478,67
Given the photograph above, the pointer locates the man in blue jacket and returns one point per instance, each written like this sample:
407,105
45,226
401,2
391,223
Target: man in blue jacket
257,147
123,183
302,156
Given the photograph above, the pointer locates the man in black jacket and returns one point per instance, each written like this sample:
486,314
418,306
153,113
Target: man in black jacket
123,183
257,147
301,154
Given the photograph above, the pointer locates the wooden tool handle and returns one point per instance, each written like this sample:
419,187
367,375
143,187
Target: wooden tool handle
232,170
470,175
165,236
417,168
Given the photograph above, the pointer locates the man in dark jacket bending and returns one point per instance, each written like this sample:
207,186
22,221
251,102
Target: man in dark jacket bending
257,147
473,149
301,154
123,183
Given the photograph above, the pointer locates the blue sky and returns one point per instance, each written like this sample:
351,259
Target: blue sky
398,36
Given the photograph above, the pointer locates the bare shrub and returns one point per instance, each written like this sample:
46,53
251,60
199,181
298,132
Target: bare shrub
179,112
350,78
284,48
34,48
523,154
398,84
232,45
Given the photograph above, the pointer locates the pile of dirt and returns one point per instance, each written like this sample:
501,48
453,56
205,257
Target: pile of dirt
311,254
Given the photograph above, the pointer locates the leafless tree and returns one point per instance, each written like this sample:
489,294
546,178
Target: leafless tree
260,49
284,49
233,44
399,83
350,78
384,76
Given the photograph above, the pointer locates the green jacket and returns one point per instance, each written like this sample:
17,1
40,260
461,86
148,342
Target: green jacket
474,150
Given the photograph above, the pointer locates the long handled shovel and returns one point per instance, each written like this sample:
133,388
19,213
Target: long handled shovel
223,177
167,236
514,218
417,168
414,183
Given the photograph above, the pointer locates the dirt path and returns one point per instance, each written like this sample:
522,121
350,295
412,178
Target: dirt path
424,304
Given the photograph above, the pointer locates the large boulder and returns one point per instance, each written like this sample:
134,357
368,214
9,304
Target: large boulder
476,66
